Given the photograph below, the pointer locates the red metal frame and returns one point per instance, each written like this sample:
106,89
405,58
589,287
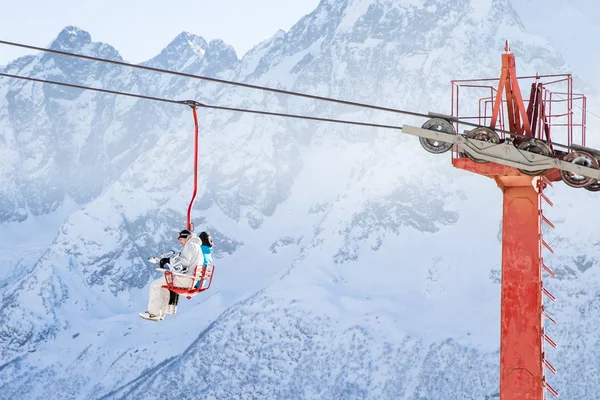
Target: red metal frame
564,112
518,121
202,274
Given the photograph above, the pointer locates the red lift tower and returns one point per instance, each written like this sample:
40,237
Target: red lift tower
511,143
522,334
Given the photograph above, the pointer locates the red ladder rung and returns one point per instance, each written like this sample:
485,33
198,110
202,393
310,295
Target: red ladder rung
548,270
547,293
550,389
545,314
550,341
550,366
547,199
546,245
548,222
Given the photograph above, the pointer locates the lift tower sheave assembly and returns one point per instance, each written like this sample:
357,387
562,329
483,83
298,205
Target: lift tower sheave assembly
511,143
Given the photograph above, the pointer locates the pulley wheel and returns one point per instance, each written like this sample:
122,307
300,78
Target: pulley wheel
484,134
436,146
536,146
580,158
594,186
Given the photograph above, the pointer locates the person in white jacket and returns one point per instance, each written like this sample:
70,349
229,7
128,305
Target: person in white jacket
184,263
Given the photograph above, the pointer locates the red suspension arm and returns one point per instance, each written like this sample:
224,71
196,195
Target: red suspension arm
190,225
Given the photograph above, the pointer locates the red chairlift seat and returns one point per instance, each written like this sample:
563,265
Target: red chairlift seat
199,282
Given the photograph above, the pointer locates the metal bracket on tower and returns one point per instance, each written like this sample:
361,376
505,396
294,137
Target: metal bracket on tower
550,389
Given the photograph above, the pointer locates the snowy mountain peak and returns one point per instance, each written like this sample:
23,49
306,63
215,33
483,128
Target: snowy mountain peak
196,43
75,40
220,45
73,36
184,51
356,13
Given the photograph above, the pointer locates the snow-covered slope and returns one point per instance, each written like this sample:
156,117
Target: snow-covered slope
351,264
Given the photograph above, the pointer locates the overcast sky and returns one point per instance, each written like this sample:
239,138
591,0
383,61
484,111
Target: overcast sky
139,29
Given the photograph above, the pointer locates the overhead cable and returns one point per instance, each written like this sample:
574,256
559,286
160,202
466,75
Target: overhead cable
216,80
202,105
